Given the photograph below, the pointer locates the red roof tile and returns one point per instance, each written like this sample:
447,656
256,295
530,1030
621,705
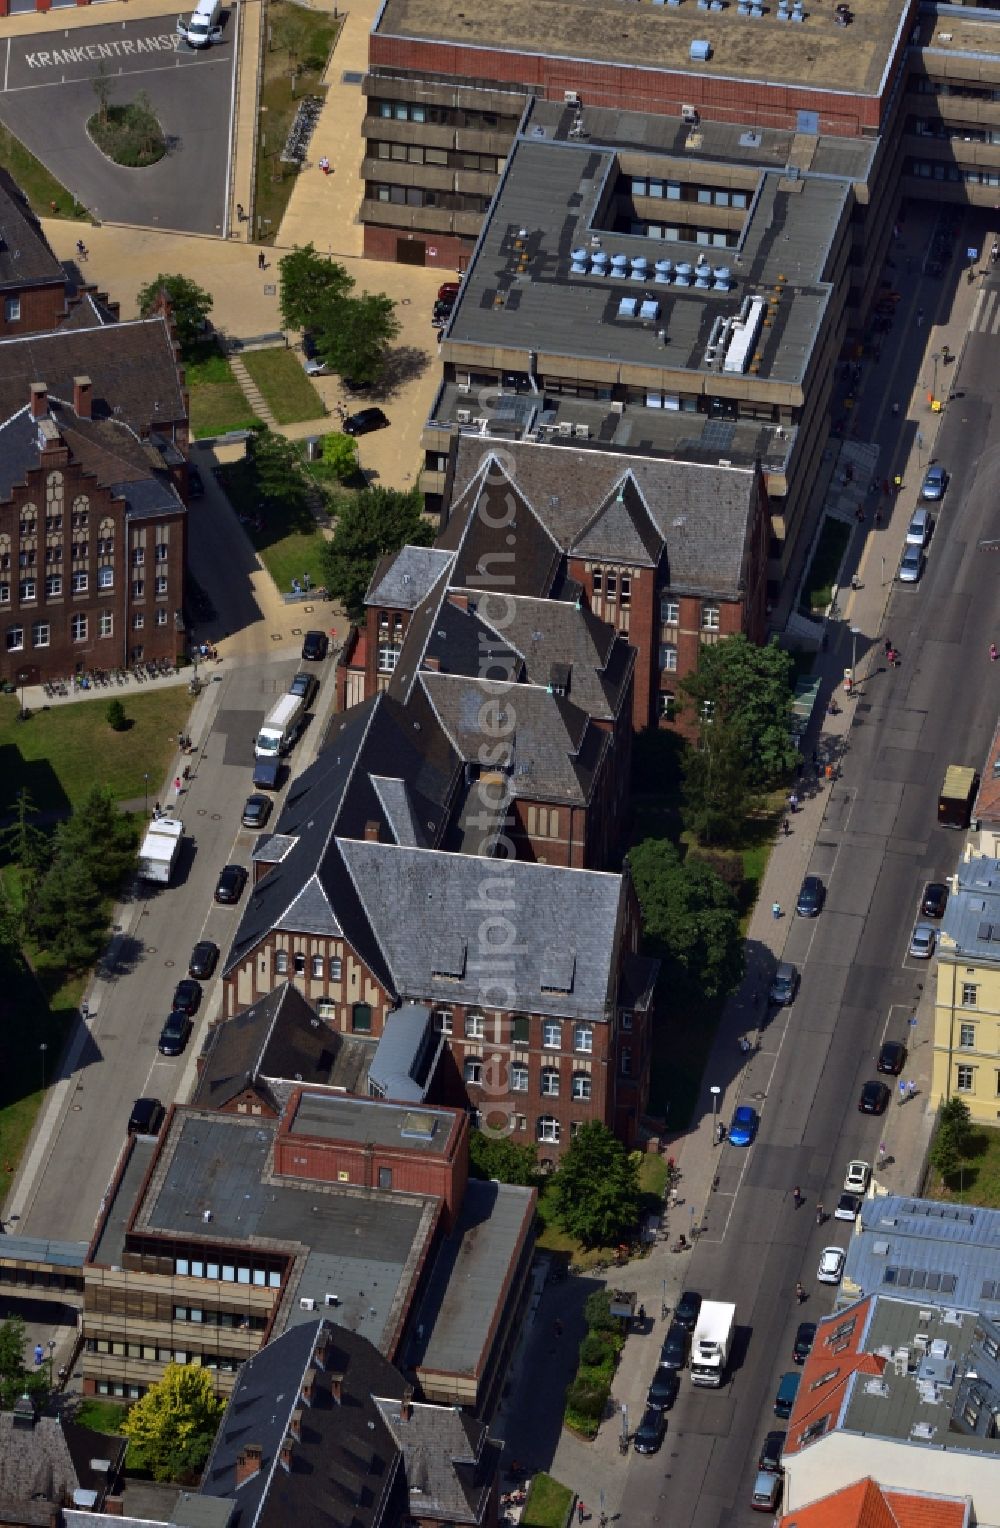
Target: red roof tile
866,1504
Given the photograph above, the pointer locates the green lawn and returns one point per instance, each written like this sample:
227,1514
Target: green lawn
58,755
218,403
817,586
977,1180
547,1505
287,390
288,547
100,1416
47,196
653,1174
298,39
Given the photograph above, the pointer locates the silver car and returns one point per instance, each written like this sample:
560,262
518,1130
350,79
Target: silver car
922,941
919,528
911,565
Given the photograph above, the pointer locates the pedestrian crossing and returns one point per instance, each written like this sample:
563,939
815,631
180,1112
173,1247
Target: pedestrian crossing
986,313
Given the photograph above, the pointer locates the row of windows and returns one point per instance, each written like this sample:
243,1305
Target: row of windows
946,132
674,191
709,238
543,822
552,1031
940,170
412,111
41,631
547,1128
614,586
924,86
670,614
318,966
417,196
227,1273
456,159
79,583
580,1083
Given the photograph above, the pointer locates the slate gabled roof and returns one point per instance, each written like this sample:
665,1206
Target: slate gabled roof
402,579
499,537
622,529
26,258
449,1459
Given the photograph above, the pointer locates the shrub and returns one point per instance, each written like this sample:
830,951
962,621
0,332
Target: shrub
595,1352
115,716
597,1312
587,1398
728,867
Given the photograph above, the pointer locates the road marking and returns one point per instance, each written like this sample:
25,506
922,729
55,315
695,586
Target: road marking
122,74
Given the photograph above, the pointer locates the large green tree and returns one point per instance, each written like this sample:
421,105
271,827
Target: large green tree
746,691
596,1188
690,919
172,1427
371,523
16,1378
501,1158
718,794
354,337
277,472
99,837
190,306
69,917
27,845
308,285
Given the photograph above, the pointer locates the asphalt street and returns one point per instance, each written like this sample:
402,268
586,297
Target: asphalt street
879,843
47,96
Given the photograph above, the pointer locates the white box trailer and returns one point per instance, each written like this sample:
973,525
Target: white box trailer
160,848
280,726
713,1338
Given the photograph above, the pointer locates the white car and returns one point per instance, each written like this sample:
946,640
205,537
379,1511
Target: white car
831,1265
856,1178
848,1208
922,941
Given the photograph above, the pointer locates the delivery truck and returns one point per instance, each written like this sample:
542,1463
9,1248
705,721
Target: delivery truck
281,726
159,851
713,1338
957,795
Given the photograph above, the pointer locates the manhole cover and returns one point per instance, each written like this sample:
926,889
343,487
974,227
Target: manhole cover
169,964
202,812
151,949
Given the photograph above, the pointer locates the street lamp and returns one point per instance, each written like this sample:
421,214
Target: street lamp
145,795
22,679
52,1348
43,1048
715,1090
855,634
935,357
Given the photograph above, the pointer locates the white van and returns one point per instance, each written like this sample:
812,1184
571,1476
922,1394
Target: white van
202,26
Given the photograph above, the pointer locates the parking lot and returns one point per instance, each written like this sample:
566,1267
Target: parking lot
47,96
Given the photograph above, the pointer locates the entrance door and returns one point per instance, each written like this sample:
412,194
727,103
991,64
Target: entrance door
411,252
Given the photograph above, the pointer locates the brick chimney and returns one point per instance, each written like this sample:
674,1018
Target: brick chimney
114,1506
372,830
285,1453
308,1391
337,1387
39,395
460,601
295,1426
82,389
406,1404
248,1462
432,664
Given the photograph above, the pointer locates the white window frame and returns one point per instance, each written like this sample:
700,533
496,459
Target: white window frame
472,1069
970,994
583,1087
106,578
711,617
551,1034
549,1129
37,639
106,624
549,1082
444,1021
583,1039
518,1077
967,1036
475,1026
965,1079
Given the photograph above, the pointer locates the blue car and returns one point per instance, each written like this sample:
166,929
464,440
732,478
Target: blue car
744,1126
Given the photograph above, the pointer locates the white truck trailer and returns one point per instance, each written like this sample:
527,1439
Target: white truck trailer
713,1338
280,727
160,849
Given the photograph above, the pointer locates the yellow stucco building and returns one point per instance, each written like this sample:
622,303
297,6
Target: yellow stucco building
967,996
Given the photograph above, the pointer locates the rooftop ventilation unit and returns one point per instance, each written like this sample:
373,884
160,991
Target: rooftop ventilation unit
307,1303
619,266
689,114
579,259
722,278
572,98
640,265
464,416
664,271
746,330
701,50
683,273
628,307
599,263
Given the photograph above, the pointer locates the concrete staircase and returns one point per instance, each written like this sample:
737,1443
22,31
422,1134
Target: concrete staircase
252,392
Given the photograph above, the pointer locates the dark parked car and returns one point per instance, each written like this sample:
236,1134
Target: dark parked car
892,1057
811,897
663,1390
935,899
802,1346
146,1117
771,1450
204,958
448,291
688,1306
174,1034
674,1352
305,685
229,886
256,811
650,1432
196,488
308,344
187,995
874,1097
442,312
785,983
364,421
314,646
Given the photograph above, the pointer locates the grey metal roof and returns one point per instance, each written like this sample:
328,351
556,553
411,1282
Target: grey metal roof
397,804
417,899
939,1253
369,1121
971,923
402,579
467,1279
109,1248
702,513
39,1249
403,1066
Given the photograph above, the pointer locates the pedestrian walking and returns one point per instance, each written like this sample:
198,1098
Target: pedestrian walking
262,261
993,652
39,1354
241,216
911,1090
775,911
81,250
580,1511
177,784
797,1195
920,317
895,411
793,802
888,646
324,165
785,826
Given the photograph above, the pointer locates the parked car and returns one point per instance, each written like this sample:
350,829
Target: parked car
364,421
766,1493
811,897
229,886
804,1339
305,685
442,312
934,484
174,1034
848,1207
771,1451
934,900
674,1352
919,528
922,941
874,1098
187,995
313,366
204,958
314,646
911,565
308,344
256,810
651,1431
892,1057
857,1176
146,1117
831,1265
788,1389
448,291
663,1389
785,983
687,1309
744,1126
